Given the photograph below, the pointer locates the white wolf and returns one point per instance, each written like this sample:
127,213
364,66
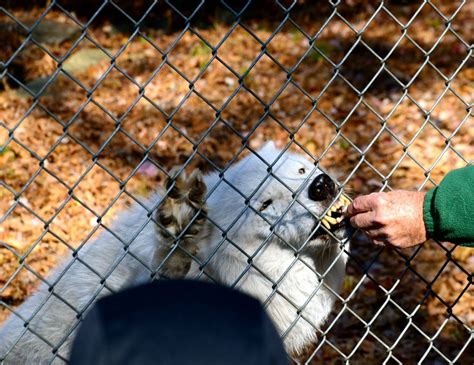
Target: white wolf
258,230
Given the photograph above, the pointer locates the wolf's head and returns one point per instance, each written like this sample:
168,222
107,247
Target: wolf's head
274,195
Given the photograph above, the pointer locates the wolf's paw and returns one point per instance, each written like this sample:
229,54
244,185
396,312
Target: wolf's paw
183,204
181,216
190,189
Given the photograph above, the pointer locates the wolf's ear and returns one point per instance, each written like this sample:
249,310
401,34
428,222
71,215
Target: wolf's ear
268,151
268,145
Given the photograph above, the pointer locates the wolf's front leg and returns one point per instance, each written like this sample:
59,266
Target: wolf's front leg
182,219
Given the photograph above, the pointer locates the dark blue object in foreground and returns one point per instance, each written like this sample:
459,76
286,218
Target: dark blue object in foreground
178,322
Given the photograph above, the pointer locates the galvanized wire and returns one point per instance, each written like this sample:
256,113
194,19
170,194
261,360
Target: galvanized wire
286,9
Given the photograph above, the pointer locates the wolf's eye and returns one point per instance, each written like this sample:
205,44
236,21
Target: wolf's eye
265,204
302,171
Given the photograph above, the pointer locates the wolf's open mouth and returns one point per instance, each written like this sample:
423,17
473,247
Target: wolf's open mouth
335,214
334,218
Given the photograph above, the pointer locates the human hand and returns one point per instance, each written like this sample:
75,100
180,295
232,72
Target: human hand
394,218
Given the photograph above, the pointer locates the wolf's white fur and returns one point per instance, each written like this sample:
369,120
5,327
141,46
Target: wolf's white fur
234,233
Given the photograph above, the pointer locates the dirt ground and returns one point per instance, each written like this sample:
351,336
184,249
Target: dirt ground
103,134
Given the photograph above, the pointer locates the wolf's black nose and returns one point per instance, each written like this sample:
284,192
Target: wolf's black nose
321,188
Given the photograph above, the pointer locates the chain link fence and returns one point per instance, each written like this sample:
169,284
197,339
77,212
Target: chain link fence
100,101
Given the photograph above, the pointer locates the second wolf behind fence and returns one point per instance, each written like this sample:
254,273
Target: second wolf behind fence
255,227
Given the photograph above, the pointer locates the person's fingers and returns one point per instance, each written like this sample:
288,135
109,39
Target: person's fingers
363,220
375,233
380,243
375,240
361,204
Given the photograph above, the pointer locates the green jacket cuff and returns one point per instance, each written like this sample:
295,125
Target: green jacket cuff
428,212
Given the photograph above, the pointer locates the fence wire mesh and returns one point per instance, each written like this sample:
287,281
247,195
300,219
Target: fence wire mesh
100,100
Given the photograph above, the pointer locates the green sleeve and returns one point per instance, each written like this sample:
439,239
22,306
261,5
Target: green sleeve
448,209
